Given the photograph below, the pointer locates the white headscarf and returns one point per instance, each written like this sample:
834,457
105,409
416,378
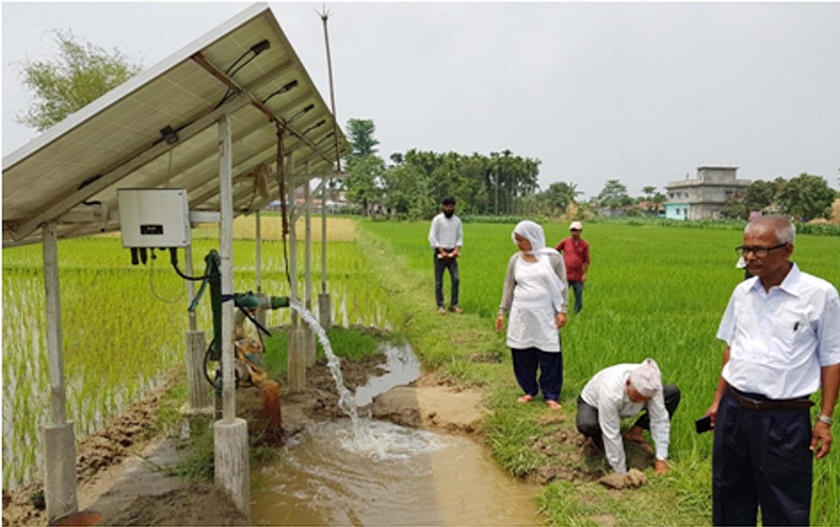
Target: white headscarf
532,232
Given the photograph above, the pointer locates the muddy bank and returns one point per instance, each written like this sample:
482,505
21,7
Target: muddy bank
129,477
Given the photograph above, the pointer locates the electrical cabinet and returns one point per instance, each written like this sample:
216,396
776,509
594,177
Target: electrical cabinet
158,217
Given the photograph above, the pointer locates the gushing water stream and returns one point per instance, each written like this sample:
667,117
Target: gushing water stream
358,471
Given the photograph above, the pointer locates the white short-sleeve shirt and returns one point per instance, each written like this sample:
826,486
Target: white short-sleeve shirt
780,339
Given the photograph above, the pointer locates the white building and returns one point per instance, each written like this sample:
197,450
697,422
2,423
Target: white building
702,197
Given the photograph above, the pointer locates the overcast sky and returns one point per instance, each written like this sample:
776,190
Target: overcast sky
643,93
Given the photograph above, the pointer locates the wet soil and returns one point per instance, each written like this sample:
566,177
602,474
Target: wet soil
129,477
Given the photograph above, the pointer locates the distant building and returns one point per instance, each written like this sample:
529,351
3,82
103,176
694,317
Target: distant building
703,197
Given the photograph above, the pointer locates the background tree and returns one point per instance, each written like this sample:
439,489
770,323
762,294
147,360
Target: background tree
653,198
806,197
760,195
416,181
614,195
735,209
365,169
81,74
364,180
558,196
361,137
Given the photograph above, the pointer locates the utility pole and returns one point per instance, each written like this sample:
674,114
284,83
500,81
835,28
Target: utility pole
324,308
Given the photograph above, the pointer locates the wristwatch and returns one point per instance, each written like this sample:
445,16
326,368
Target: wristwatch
826,419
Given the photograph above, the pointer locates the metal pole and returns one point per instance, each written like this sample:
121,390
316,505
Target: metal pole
324,297
230,434
226,267
259,253
292,236
198,394
307,255
324,17
188,262
324,234
58,402
60,477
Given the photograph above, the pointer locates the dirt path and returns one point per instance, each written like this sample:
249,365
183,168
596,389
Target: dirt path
129,481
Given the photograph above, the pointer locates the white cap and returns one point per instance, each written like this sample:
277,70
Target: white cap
647,378
576,226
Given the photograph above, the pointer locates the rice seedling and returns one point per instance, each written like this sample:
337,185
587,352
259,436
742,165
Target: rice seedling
651,291
123,326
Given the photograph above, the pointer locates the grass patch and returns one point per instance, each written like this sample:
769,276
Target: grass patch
654,290
351,344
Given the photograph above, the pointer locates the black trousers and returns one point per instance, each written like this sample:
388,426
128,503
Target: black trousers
450,264
587,415
527,361
761,459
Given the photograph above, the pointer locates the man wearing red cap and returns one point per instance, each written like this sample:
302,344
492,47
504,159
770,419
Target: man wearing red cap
575,251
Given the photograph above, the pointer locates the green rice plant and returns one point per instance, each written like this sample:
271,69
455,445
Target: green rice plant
652,290
507,447
349,344
123,326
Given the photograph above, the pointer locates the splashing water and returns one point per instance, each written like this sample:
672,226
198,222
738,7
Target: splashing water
346,400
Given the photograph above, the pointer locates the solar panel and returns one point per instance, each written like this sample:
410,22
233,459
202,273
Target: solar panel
116,141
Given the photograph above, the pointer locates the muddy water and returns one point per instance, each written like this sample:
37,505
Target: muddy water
379,473
422,478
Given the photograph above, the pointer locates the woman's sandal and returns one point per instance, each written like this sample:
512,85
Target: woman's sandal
554,405
525,399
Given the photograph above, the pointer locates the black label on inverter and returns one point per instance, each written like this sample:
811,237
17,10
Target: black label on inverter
151,229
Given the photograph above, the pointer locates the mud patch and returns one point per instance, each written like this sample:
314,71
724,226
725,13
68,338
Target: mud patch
196,504
435,407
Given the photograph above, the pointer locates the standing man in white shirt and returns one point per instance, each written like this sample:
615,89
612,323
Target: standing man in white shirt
446,236
623,391
782,335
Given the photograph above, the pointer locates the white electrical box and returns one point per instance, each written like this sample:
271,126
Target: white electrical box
156,217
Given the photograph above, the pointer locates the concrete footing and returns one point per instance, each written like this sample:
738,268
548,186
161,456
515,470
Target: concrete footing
309,345
324,310
60,479
197,386
232,467
296,371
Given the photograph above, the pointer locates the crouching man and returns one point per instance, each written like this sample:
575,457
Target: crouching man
622,391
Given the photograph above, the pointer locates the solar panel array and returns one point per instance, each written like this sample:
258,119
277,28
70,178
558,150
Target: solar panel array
71,173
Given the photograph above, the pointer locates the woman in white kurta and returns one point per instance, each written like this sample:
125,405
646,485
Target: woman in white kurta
535,296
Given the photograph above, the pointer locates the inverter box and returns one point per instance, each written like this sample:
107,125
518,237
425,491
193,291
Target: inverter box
154,217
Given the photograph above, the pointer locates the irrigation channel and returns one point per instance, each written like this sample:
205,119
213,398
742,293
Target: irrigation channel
360,471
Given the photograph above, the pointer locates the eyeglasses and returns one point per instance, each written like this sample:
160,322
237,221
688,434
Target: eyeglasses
759,252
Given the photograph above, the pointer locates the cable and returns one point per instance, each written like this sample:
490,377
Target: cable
173,258
207,363
256,49
152,285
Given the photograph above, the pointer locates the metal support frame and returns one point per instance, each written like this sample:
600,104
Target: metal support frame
226,267
261,314
307,259
60,466
197,388
230,448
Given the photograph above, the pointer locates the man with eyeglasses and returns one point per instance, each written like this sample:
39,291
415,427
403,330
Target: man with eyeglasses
782,335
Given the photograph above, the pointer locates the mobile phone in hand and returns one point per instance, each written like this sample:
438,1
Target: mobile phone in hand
704,424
